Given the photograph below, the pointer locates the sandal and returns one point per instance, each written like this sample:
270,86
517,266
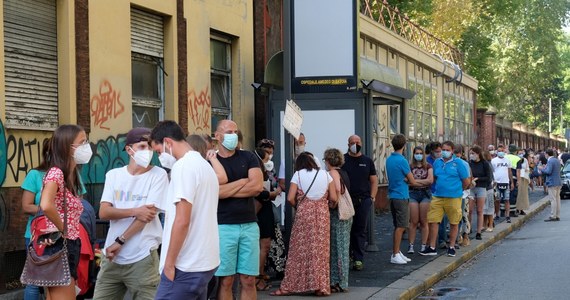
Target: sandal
337,289
322,293
280,292
264,285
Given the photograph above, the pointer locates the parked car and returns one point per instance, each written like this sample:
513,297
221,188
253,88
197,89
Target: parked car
565,175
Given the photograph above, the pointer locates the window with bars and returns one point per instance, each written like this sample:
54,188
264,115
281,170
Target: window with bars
220,77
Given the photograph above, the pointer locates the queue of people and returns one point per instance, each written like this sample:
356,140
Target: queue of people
221,231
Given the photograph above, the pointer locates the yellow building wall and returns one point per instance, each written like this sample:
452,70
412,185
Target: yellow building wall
110,63
234,19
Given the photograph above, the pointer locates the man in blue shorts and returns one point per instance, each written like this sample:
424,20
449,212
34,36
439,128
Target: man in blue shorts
237,220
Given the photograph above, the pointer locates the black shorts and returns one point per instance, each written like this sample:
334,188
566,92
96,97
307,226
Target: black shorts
399,209
73,252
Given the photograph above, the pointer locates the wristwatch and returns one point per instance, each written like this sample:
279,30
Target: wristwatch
120,240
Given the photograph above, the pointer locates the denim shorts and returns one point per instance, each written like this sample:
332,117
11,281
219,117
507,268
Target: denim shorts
239,249
479,192
503,190
419,196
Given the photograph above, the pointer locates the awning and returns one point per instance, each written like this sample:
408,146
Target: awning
383,79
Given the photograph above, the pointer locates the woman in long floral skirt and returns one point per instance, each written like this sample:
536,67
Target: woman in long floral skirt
312,191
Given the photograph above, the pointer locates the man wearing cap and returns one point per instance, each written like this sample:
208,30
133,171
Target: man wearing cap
131,197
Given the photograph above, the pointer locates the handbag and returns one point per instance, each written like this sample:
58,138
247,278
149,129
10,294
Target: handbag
345,207
48,270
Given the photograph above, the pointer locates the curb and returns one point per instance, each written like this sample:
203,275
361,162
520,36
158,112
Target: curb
414,284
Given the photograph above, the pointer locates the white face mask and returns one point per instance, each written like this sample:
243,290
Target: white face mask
82,154
270,156
142,157
299,149
166,160
269,166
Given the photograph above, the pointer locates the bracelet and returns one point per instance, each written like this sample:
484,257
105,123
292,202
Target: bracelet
120,240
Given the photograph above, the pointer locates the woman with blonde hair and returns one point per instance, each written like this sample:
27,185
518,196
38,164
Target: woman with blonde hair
340,229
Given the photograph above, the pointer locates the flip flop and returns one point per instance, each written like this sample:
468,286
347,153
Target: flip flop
280,292
322,293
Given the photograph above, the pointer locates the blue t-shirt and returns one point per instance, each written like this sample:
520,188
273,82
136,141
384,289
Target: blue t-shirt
397,168
33,183
449,177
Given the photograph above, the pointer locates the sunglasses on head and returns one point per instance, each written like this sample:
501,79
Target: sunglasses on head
266,142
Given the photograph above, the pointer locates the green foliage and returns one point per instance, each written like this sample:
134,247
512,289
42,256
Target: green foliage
515,49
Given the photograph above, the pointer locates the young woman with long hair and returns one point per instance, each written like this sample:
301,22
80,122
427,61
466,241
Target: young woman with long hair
420,198
69,148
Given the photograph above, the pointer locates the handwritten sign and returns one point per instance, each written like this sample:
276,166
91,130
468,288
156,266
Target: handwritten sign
293,118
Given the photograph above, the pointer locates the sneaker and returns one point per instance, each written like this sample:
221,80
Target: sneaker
358,265
551,219
490,229
478,236
423,248
397,259
411,249
429,251
522,213
451,251
404,257
508,220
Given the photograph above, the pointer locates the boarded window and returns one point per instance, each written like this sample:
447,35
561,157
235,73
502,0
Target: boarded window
147,62
220,72
30,47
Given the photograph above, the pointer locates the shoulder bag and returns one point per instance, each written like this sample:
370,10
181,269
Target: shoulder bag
345,207
48,270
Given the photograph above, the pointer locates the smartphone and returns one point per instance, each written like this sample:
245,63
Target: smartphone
53,236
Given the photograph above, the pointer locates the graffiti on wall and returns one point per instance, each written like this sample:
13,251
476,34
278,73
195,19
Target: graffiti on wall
106,105
22,155
107,154
199,109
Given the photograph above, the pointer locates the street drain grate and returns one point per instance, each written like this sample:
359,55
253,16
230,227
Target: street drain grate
441,293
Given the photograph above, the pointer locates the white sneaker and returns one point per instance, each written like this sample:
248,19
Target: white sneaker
397,259
404,257
411,249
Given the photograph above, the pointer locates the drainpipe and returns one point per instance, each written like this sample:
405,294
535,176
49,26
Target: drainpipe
368,138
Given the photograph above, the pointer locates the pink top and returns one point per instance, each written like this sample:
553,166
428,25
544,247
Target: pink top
74,205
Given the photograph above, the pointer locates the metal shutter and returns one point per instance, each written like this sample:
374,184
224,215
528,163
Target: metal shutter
147,33
30,49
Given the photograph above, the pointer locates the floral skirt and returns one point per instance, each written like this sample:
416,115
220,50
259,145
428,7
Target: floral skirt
307,267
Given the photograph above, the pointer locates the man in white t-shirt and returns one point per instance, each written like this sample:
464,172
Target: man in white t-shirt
504,179
131,197
190,249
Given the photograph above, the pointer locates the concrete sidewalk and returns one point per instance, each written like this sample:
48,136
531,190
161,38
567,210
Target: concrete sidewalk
382,280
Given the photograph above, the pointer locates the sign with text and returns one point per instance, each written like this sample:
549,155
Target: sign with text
323,46
293,119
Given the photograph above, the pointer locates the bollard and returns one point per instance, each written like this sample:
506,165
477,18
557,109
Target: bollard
371,241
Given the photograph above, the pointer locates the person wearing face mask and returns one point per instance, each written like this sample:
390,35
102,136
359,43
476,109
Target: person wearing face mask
237,221
190,245
492,151
363,187
451,178
131,198
433,152
61,183
523,179
504,179
482,174
420,198
553,182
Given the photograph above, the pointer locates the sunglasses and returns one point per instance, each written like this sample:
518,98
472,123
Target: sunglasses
266,142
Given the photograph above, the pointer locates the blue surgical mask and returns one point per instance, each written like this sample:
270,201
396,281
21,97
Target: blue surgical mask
230,141
501,154
418,157
521,155
445,154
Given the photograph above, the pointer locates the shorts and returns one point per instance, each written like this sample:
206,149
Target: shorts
114,279
239,249
186,285
73,251
450,206
419,196
399,210
489,207
503,192
478,192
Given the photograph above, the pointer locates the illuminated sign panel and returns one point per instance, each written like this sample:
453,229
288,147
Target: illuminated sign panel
323,46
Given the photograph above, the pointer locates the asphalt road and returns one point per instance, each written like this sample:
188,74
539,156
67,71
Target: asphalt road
531,263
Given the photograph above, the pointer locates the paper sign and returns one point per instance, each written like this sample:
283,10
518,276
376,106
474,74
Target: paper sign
293,119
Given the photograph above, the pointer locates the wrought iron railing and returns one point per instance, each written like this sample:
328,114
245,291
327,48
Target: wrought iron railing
391,18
